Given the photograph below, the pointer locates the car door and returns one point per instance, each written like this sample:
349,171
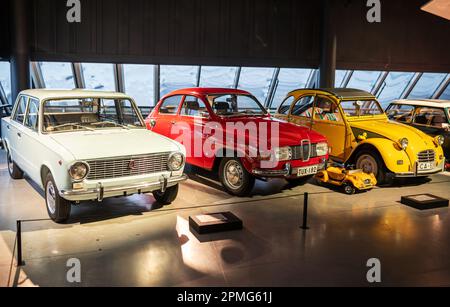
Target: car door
192,118
29,143
329,121
301,111
15,128
166,115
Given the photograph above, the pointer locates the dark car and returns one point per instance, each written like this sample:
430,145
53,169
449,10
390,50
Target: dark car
429,116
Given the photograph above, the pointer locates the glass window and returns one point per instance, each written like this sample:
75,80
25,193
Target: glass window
364,80
21,109
286,105
400,112
170,105
339,77
433,117
217,76
361,108
394,86
31,120
289,79
174,77
235,105
303,107
193,106
256,81
57,75
326,110
427,85
139,83
5,79
99,76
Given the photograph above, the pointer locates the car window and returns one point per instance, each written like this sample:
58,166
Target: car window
400,112
170,105
303,107
19,115
433,117
235,105
327,110
286,105
31,120
193,106
359,108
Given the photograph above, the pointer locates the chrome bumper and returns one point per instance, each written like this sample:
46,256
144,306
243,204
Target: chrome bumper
101,192
416,173
287,171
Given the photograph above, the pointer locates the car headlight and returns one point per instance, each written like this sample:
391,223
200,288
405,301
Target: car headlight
79,170
176,161
404,143
439,140
283,153
322,149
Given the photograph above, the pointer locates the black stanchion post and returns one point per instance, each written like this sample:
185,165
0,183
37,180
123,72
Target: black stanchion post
305,212
19,243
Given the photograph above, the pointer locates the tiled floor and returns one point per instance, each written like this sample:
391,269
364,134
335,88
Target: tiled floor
128,242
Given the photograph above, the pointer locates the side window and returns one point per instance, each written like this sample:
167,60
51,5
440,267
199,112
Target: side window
400,112
325,109
430,117
19,115
193,106
303,107
170,105
286,105
31,120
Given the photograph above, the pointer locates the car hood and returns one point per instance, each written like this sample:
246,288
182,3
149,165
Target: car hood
113,143
393,131
288,134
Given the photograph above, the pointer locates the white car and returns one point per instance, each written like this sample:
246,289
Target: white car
88,145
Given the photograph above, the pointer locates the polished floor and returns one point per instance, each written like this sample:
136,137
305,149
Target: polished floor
132,242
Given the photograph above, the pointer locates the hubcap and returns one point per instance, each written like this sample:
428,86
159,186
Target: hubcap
348,189
51,197
234,174
368,164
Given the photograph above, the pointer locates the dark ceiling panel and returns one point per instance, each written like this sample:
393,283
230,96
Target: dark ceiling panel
5,48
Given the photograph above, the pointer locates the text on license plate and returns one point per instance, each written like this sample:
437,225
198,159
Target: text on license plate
424,166
305,171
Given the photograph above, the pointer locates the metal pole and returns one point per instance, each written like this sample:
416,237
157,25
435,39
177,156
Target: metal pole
305,212
20,261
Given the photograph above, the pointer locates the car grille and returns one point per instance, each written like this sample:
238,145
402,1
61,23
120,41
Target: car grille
304,152
127,166
426,156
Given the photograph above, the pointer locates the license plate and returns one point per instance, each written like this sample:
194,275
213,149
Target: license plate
424,166
305,171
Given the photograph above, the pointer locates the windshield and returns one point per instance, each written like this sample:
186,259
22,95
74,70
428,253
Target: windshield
90,114
358,108
235,105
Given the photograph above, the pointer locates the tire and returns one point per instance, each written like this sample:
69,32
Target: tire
166,197
58,208
371,162
299,180
348,188
14,171
235,178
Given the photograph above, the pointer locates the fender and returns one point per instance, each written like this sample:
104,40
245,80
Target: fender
211,163
389,152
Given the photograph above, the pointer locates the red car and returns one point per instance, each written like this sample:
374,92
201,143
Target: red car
229,131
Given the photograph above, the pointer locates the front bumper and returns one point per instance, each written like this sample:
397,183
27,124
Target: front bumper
286,172
416,173
100,192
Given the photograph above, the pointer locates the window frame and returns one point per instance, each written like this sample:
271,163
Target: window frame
417,109
178,108
290,105
298,99
16,107
193,116
35,129
342,120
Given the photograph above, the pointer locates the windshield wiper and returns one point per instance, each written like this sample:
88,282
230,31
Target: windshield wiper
70,124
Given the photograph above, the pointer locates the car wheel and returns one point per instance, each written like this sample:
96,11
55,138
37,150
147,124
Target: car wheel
235,178
166,197
58,208
349,189
14,171
299,180
372,163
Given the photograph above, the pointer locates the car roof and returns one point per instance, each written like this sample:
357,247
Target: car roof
342,93
44,94
436,103
207,91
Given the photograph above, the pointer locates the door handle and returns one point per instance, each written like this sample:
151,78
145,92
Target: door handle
19,134
8,127
173,122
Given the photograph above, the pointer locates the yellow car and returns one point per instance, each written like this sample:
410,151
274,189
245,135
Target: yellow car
350,180
360,134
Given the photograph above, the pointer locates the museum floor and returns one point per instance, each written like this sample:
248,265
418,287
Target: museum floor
127,242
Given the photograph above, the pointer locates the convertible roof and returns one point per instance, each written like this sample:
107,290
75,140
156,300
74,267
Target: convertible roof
75,93
433,103
344,93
